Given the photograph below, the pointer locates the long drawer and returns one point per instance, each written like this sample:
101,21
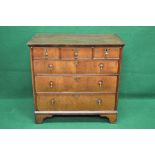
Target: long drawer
76,83
70,67
75,102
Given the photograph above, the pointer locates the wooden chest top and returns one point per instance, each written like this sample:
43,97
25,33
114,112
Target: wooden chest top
75,40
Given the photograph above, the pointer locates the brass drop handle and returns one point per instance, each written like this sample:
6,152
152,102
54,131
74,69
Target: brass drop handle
52,101
46,53
99,101
101,66
50,66
75,53
100,84
106,51
51,84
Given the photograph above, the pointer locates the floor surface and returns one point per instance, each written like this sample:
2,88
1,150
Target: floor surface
132,113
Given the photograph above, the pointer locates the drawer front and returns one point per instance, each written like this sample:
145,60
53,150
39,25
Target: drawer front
54,67
82,67
112,52
45,52
80,53
97,67
75,102
76,83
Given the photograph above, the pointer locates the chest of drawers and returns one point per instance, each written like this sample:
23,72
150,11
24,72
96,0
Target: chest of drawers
75,74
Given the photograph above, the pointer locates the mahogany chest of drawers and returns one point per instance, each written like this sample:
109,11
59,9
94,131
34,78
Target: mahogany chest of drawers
75,74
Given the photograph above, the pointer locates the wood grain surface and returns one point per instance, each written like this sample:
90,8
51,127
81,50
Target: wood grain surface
82,67
76,83
73,39
75,102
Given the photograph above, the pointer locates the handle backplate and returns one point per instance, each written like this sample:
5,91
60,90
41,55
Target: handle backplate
76,53
106,51
50,66
46,53
100,83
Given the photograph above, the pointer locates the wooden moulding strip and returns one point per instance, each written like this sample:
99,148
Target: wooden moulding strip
77,112
75,45
42,58
37,74
82,93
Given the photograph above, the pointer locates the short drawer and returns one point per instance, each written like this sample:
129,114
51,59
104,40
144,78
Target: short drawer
97,67
75,102
54,67
75,83
105,52
76,53
45,52
82,67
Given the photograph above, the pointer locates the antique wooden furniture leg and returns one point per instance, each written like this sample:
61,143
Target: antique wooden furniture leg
39,118
112,117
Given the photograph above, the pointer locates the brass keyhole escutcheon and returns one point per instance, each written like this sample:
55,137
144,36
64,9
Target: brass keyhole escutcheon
99,101
76,62
106,52
46,53
76,96
52,101
101,66
51,84
77,78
